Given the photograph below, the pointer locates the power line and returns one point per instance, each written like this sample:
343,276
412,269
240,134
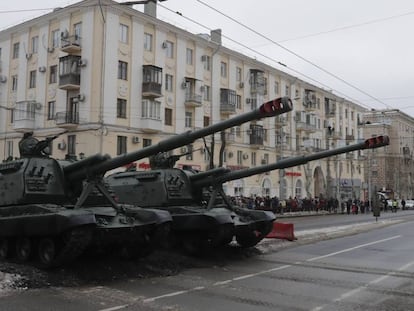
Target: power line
293,53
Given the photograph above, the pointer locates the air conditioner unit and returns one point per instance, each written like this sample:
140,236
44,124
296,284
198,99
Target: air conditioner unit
136,140
51,49
230,154
241,85
81,97
263,161
42,69
3,79
164,45
82,62
38,106
184,149
184,85
28,55
61,146
249,132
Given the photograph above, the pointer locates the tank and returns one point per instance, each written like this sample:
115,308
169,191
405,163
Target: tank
202,214
57,209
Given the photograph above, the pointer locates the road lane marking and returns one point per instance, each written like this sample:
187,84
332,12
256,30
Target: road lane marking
251,275
353,248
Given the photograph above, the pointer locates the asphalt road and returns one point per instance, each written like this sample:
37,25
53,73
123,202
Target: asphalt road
364,267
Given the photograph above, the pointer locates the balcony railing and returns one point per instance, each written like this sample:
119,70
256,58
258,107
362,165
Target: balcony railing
70,44
67,119
151,89
69,81
227,108
193,100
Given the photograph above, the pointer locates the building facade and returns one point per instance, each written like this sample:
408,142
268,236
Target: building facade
111,79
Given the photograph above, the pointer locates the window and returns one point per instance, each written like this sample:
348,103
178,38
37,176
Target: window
121,108
53,74
238,102
287,91
168,82
253,158
207,93
10,148
16,48
206,121
239,157
146,142
223,70
168,116
147,42
238,74
55,38
188,119
207,62
189,155
122,70
276,87
14,83
169,46
35,44
72,144
151,109
189,56
123,33
121,145
32,81
77,30
51,110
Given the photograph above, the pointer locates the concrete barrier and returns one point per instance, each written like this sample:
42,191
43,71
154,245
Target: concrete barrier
282,231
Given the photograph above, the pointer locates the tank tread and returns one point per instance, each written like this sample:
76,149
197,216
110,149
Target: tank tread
73,244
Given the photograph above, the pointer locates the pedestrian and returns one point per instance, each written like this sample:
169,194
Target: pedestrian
394,206
403,204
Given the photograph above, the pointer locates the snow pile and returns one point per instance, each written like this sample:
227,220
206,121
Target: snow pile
9,282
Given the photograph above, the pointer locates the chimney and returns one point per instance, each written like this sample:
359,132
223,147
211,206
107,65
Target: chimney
216,36
150,8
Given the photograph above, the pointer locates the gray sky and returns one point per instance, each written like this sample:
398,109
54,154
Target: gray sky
360,49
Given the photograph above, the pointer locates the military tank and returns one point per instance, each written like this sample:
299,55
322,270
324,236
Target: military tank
202,214
50,207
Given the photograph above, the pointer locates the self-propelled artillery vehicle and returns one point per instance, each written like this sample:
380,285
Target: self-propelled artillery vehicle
198,196
49,207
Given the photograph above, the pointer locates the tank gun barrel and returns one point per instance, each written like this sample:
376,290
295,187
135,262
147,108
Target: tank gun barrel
371,143
269,109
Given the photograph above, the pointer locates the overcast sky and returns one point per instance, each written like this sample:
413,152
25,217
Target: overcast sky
362,50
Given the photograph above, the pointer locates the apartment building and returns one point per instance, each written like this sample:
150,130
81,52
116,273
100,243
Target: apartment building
390,169
111,79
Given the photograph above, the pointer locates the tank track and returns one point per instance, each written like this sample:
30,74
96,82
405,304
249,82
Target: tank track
72,244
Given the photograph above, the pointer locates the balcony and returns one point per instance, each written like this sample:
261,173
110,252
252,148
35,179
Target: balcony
152,81
151,125
306,127
257,82
24,125
67,119
256,133
228,100
280,121
151,89
24,115
309,100
70,44
349,138
230,137
193,100
69,72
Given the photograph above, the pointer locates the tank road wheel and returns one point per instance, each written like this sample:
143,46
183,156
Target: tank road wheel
46,251
251,238
4,248
23,249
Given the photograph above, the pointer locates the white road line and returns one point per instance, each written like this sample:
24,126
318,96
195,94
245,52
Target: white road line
353,248
246,276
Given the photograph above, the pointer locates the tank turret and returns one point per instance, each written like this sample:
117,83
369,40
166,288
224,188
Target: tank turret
55,209
202,214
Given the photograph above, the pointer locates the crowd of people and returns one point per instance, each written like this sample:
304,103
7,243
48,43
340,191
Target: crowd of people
316,204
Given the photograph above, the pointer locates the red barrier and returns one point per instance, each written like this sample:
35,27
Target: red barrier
282,231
